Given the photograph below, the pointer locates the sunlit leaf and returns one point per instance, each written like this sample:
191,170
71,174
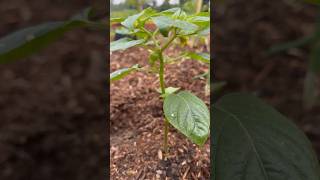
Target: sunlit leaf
189,115
121,73
124,43
203,57
130,21
165,22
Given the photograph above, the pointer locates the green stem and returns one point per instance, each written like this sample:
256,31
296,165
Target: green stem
161,74
163,90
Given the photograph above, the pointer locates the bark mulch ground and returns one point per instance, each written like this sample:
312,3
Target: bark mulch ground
137,123
52,105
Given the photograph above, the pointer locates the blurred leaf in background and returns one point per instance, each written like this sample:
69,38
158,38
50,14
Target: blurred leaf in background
26,41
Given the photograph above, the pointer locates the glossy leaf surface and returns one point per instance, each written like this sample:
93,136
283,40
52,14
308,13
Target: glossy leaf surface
189,115
121,73
124,43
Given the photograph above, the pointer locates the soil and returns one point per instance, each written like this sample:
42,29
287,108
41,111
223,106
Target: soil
243,33
52,104
137,122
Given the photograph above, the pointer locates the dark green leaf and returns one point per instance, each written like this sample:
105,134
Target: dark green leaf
289,45
121,73
24,42
124,43
29,40
189,115
252,141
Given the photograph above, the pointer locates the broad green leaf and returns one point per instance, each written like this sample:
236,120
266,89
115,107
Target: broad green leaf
26,41
180,14
203,57
168,12
130,21
185,26
189,115
252,141
121,73
201,23
199,19
124,43
29,40
165,22
146,14
204,32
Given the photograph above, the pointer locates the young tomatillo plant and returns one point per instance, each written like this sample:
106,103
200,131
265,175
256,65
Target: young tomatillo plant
183,110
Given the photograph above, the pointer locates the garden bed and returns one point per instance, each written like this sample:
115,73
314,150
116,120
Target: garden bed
137,123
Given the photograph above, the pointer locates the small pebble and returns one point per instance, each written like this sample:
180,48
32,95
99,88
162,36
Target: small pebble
160,154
